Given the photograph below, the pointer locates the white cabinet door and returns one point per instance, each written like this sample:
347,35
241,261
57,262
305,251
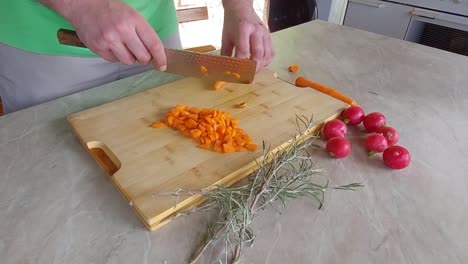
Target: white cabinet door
380,17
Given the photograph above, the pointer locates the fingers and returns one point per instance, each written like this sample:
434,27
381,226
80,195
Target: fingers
227,47
269,52
122,53
153,44
257,51
242,43
108,55
138,49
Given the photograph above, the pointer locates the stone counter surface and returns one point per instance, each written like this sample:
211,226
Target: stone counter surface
57,206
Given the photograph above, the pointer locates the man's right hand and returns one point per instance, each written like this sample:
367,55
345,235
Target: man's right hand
113,30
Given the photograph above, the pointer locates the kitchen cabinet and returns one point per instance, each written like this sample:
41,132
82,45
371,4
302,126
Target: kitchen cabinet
380,17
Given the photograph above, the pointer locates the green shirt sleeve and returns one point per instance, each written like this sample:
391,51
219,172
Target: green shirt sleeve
31,26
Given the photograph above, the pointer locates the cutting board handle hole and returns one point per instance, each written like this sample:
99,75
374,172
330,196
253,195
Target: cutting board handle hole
104,157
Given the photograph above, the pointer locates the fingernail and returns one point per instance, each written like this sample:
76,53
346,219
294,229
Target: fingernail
163,68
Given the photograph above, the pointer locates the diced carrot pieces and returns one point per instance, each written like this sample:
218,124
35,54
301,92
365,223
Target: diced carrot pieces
293,68
240,148
211,128
178,122
176,112
221,130
193,116
218,85
204,146
239,141
158,125
194,110
235,123
213,137
190,123
170,120
235,74
218,147
203,69
195,133
228,148
228,73
241,105
251,146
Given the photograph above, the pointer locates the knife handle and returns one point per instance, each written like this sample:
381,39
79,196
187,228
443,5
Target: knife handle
69,37
304,82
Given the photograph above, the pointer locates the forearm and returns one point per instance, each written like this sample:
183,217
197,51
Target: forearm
67,7
234,5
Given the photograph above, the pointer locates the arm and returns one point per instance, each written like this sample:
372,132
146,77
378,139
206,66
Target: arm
245,32
113,30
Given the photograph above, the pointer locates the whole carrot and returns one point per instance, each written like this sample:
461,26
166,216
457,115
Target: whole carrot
304,82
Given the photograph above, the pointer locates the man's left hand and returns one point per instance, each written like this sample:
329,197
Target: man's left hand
244,32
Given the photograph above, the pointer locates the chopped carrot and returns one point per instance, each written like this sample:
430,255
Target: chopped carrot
293,68
195,133
227,148
158,124
228,73
204,146
241,105
240,148
210,128
218,84
170,120
190,123
235,74
251,146
203,69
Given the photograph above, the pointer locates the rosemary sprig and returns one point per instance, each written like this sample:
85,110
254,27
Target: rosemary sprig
283,174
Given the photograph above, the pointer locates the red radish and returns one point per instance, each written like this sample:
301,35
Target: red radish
353,115
373,122
390,134
334,128
375,143
338,147
396,157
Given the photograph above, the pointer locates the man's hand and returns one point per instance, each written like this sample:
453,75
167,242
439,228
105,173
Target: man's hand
113,30
244,31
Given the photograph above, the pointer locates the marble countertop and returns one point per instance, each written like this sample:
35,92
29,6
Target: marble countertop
56,205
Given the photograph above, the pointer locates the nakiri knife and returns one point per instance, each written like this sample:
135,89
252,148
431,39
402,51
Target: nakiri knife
191,64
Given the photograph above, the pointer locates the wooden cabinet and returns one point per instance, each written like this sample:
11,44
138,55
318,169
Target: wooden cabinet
380,17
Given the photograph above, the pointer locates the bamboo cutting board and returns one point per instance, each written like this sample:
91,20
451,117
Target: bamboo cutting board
147,164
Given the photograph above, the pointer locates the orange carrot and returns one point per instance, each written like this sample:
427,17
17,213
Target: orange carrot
158,124
293,68
203,69
235,74
251,146
212,129
228,73
218,84
241,105
304,82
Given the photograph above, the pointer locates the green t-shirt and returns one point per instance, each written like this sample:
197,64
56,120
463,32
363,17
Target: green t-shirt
31,26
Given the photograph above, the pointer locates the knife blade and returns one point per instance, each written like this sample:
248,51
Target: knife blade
191,64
